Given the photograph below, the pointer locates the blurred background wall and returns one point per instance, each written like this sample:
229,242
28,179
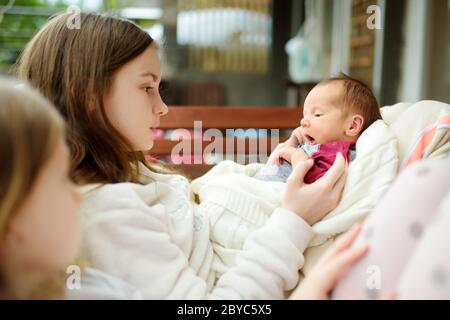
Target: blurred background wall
232,52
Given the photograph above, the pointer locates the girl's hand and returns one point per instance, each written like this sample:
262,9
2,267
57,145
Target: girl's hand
313,201
331,267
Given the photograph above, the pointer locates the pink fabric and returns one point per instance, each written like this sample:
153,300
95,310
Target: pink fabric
324,158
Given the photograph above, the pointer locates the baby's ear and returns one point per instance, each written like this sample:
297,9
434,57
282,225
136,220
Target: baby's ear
355,125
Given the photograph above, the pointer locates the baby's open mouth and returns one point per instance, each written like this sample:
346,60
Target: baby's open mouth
310,139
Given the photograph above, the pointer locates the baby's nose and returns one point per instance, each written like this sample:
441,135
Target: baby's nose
304,123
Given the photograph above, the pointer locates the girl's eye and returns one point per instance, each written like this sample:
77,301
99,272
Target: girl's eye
317,115
161,87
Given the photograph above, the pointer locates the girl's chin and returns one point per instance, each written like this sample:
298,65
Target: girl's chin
143,147
149,146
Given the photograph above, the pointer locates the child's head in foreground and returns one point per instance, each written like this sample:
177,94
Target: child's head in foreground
339,108
39,224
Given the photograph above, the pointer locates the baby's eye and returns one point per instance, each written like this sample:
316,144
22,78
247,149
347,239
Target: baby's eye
318,115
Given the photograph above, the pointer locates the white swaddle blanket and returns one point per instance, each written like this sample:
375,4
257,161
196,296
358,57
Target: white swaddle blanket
238,203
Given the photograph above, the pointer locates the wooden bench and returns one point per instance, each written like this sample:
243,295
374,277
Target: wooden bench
222,118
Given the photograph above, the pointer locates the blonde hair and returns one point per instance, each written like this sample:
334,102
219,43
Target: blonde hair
29,131
74,69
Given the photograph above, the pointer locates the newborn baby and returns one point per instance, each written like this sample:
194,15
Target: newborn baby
335,114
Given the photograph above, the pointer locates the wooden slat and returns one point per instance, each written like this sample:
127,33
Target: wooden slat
224,118
362,62
359,20
232,117
165,147
361,41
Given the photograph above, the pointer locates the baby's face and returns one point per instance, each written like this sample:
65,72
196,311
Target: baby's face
323,120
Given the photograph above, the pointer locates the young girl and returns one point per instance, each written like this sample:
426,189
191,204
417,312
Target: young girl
39,218
140,224
39,224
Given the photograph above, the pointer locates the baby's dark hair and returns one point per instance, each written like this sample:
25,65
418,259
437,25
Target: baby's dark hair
357,98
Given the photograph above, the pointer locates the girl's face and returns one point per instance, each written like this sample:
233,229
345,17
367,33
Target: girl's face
44,234
133,104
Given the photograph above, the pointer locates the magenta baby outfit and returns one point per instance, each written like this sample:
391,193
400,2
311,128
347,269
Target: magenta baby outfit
323,155
324,158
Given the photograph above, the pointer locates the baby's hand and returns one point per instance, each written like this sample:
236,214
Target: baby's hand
293,155
296,138
294,141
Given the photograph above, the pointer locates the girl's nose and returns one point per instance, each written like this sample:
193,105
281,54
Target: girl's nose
161,108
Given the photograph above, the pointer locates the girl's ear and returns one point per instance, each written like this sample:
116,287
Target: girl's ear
355,126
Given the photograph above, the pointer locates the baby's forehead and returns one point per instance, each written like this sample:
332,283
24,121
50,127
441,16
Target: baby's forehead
333,88
329,94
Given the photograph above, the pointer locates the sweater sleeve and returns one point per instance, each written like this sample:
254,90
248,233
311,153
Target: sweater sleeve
269,263
136,246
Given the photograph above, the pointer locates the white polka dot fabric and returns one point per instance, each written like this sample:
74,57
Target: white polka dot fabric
409,239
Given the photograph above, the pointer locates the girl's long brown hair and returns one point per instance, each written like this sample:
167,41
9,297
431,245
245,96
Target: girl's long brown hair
74,68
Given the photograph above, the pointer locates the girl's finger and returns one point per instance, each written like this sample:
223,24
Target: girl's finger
296,179
338,168
340,264
389,295
338,189
340,183
344,242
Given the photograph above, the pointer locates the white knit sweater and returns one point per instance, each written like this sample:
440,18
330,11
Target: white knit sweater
156,238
